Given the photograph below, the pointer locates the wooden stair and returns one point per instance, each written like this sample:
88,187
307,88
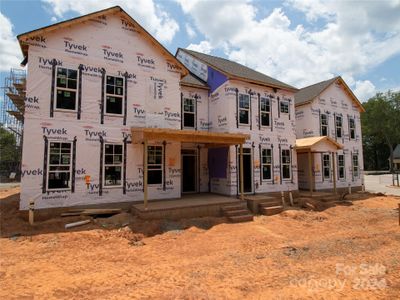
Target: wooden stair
271,207
237,213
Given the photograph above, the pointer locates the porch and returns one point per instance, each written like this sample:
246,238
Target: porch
188,206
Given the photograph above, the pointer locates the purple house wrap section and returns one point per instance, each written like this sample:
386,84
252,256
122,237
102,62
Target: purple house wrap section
218,162
215,79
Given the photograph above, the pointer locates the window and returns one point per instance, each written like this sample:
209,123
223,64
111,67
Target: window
66,88
59,166
355,165
284,106
324,124
114,95
352,128
113,156
285,163
265,110
266,164
338,126
326,166
341,167
189,113
154,163
244,109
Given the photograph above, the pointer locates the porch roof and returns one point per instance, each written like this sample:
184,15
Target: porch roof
313,143
188,136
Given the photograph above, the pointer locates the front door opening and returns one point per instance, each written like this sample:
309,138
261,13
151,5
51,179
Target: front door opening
247,171
189,167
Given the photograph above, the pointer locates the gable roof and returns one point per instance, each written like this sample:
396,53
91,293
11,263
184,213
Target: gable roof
307,143
238,71
108,11
194,81
309,93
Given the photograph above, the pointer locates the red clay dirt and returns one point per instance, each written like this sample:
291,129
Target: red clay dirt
347,251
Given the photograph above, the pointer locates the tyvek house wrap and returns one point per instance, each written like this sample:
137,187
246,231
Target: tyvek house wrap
111,43
334,101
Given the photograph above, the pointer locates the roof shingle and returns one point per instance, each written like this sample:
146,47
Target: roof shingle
237,70
192,80
308,93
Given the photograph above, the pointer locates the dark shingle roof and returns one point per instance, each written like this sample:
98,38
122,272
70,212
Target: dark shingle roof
310,92
237,70
192,80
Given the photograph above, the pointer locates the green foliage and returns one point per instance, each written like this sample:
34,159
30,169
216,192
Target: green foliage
8,147
381,129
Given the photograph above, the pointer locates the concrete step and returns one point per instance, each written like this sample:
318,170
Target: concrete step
236,212
270,211
234,207
271,203
241,218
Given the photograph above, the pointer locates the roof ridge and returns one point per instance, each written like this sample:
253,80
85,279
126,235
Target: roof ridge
311,85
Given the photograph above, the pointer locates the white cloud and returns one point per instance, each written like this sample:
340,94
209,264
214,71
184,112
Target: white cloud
10,56
190,31
149,15
353,38
364,90
203,47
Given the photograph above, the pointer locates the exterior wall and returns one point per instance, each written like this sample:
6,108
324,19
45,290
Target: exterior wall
333,101
223,116
153,100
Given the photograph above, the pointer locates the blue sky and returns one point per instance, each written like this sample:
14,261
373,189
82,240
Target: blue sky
299,42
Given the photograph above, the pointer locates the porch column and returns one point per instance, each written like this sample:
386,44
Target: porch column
241,173
145,173
334,172
310,175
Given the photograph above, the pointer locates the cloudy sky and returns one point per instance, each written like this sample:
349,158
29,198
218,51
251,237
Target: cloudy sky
300,42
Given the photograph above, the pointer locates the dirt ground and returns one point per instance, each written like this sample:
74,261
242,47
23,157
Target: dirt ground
350,250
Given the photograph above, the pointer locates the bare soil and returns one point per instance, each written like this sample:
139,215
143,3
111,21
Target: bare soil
349,250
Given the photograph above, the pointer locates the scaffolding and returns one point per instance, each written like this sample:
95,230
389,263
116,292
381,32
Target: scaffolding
13,106
12,111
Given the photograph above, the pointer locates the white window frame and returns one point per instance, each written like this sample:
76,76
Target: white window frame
112,165
324,125
56,88
282,104
284,164
161,164
190,113
114,95
356,166
352,128
69,165
339,127
244,109
267,112
326,167
266,163
341,167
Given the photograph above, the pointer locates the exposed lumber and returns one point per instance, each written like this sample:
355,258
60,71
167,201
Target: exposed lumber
93,211
75,224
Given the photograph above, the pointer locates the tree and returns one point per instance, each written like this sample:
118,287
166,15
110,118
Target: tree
9,151
381,123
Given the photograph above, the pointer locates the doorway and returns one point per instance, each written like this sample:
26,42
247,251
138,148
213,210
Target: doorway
247,171
189,173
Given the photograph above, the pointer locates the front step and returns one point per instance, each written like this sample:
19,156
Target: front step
271,203
241,218
237,213
272,210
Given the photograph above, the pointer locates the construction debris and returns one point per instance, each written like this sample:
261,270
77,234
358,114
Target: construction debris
75,224
92,212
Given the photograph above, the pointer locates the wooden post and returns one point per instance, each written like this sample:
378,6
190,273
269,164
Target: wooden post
241,173
310,175
145,173
334,173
